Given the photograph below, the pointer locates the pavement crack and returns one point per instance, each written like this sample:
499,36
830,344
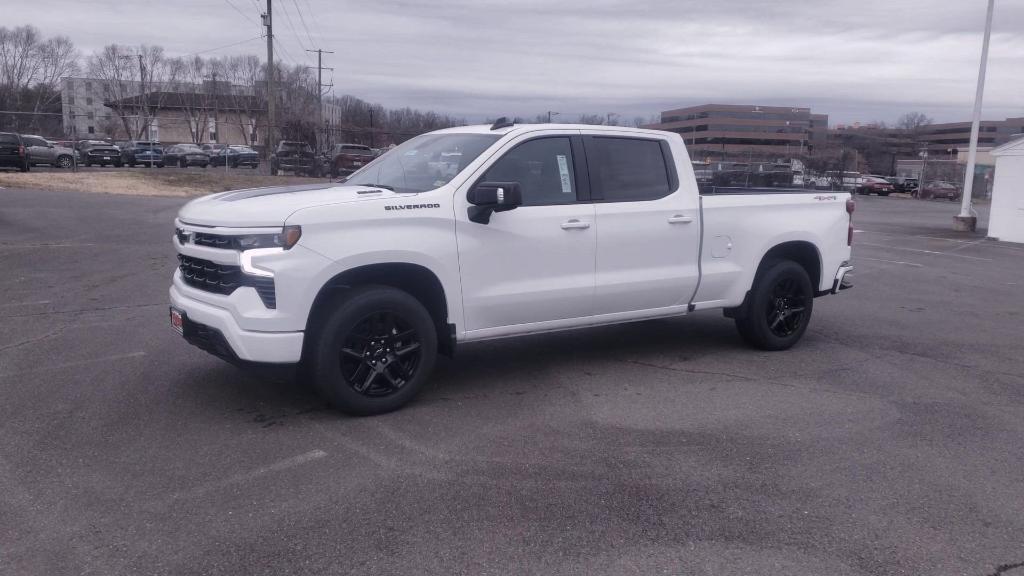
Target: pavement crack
687,370
96,309
1004,568
49,334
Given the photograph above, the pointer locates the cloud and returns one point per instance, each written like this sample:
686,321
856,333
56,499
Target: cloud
868,60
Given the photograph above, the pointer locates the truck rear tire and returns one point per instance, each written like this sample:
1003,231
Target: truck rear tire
778,308
374,350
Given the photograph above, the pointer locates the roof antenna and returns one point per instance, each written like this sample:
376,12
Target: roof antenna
502,122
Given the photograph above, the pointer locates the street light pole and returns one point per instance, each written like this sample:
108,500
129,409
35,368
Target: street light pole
965,221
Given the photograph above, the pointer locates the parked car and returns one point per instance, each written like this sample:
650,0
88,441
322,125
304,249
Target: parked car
939,189
875,185
42,151
367,281
295,157
143,152
12,152
344,159
99,152
185,155
213,149
235,156
70,144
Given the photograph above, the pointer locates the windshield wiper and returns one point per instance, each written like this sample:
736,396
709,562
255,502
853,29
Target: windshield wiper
384,186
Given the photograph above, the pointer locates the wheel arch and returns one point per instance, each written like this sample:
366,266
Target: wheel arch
417,280
803,252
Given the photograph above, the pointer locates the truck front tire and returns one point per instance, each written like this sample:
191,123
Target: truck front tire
778,307
373,351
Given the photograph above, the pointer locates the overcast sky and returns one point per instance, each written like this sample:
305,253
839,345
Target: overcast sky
857,60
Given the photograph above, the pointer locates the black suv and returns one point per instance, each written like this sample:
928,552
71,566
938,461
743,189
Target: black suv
99,152
12,152
296,157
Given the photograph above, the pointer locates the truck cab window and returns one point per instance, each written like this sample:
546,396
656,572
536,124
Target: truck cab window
542,167
628,169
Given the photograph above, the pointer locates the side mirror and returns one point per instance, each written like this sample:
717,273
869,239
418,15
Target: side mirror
490,197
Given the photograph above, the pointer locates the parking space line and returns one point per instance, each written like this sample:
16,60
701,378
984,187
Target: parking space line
946,239
968,245
914,264
240,478
924,251
35,303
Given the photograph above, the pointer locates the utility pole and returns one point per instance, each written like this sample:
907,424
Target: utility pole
268,21
371,128
550,114
320,86
966,222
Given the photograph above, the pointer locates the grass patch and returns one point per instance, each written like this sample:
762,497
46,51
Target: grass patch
148,182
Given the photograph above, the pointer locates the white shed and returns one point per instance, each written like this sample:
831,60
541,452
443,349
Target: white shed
1006,221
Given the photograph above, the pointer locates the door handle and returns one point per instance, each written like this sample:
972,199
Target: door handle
680,219
574,224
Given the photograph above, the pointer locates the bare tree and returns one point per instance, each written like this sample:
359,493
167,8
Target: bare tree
30,71
913,121
134,81
245,74
590,119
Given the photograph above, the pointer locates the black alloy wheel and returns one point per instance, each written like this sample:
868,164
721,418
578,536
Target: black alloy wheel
778,307
380,354
785,309
371,349
64,162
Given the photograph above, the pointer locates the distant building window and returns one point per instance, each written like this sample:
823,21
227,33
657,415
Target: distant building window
88,101
88,85
92,130
71,100
91,115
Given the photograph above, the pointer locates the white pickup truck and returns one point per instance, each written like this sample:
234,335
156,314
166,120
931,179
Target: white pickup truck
481,232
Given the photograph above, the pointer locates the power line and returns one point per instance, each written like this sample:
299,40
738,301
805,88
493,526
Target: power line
284,8
316,26
287,55
303,20
225,46
244,15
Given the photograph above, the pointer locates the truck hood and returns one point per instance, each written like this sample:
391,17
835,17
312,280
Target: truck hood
272,206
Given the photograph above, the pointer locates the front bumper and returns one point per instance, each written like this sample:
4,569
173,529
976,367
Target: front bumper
247,345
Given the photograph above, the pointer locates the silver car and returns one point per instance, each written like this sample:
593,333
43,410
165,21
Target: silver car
42,151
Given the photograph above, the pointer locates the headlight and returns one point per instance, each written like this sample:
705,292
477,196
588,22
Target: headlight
287,238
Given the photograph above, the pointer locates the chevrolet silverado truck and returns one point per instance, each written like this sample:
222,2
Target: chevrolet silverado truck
537,228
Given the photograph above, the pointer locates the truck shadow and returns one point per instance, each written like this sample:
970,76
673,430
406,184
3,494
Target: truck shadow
485,368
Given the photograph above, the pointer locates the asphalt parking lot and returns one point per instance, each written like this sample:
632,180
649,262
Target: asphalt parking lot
888,442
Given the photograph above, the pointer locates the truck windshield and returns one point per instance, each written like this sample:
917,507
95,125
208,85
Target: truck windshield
424,163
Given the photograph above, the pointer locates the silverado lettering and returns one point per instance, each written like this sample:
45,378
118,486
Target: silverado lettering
411,206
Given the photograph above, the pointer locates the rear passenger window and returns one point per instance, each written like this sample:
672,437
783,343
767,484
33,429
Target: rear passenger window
628,169
543,168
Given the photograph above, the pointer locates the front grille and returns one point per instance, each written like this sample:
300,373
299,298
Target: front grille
216,241
224,278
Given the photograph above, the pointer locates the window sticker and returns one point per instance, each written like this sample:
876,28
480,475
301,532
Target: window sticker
563,172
